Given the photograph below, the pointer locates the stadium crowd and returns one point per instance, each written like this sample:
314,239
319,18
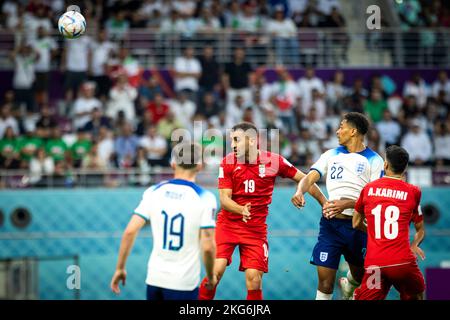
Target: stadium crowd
112,116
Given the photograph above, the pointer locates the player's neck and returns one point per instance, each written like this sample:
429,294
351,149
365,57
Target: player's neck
252,157
355,146
392,175
187,175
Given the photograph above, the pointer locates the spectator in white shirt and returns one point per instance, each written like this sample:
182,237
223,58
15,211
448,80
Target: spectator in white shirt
336,91
183,109
441,84
389,129
418,145
46,47
7,121
442,144
105,145
316,126
24,58
122,97
39,19
187,71
76,60
235,111
84,105
40,165
306,84
285,41
102,50
155,146
416,87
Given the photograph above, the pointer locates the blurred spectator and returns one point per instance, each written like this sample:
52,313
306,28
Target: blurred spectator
84,105
207,25
318,103
9,150
232,14
339,38
185,7
80,148
259,110
158,108
336,91
315,125
235,111
155,147
122,97
55,146
125,63
117,26
375,106
374,141
389,129
46,122
409,109
40,19
284,34
328,6
76,59
28,146
24,58
167,125
46,48
93,160
125,147
171,29
144,123
102,50
284,97
147,91
308,147
142,166
236,78
183,109
210,77
305,86
7,121
416,87
442,144
357,96
41,165
418,145
97,121
261,86
442,84
187,71
105,145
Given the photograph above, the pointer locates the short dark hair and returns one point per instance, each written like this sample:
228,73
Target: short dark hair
358,121
244,126
398,158
187,155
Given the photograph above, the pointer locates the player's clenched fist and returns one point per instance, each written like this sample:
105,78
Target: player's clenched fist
246,212
298,200
119,275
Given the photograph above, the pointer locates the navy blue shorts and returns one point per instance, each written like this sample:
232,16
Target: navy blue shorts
158,294
337,237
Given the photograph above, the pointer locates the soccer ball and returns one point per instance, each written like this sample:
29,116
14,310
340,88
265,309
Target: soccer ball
72,25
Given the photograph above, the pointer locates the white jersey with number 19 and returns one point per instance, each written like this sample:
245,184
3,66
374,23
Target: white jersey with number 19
347,173
177,210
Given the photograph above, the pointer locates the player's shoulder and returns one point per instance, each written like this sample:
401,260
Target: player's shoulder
228,160
372,156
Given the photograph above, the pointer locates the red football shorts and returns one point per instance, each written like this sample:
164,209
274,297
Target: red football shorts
253,247
376,283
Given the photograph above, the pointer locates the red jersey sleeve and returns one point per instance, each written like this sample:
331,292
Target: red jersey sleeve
286,170
417,213
359,205
225,181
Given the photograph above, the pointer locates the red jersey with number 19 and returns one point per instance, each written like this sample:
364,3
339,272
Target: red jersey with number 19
389,206
252,183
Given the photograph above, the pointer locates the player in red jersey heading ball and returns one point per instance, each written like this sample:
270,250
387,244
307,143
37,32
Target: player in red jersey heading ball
246,181
389,205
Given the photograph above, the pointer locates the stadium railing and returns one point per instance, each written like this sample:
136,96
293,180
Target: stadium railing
116,178
322,47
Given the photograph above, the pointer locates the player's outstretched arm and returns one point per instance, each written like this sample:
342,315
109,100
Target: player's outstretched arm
314,190
358,221
128,238
208,247
306,183
418,238
230,205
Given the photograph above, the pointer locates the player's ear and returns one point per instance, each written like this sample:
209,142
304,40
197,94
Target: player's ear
199,167
173,165
386,165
